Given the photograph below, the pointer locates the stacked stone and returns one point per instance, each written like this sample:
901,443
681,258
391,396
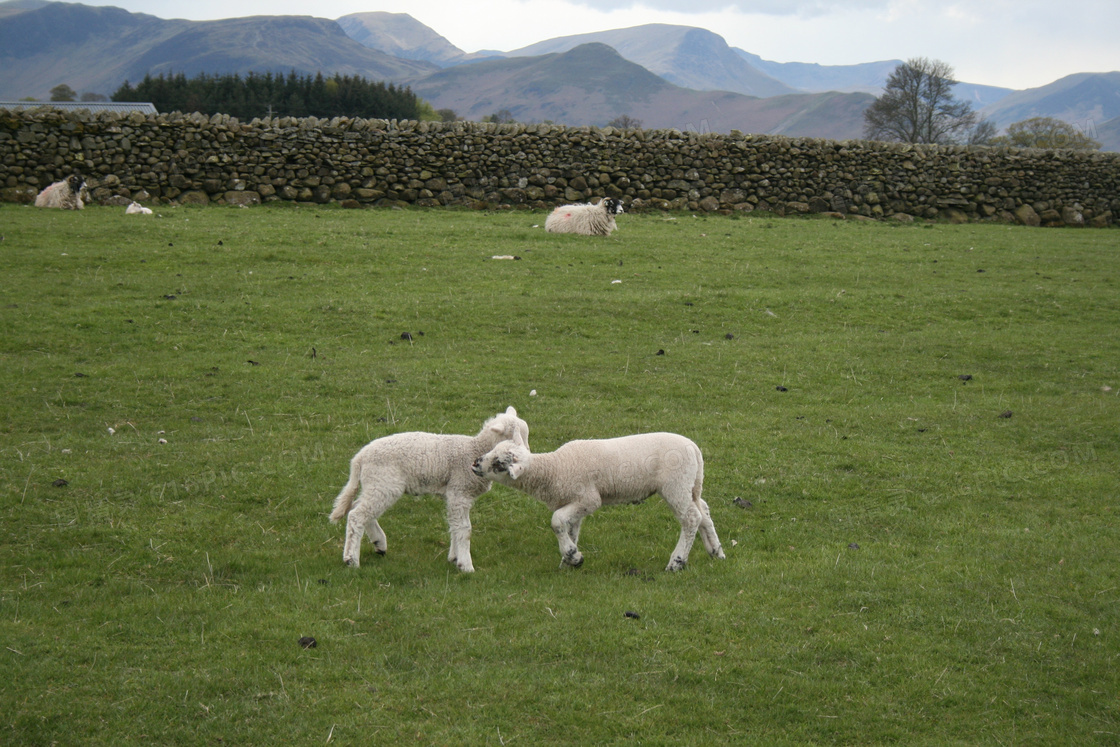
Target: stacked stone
193,158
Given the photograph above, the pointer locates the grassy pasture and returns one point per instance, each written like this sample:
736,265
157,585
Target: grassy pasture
916,557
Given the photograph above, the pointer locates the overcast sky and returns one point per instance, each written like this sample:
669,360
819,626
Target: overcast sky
1011,43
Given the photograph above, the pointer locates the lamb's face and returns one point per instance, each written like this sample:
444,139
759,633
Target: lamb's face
504,463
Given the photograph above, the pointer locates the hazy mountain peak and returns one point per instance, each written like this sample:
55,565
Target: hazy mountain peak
400,35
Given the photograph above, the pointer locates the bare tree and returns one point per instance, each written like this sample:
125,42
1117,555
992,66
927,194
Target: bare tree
625,122
918,106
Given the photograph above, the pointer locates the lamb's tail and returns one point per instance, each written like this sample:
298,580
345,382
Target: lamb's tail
345,499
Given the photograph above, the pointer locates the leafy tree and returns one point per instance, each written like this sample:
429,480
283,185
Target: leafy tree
502,116
265,95
918,106
63,92
1046,132
446,115
625,122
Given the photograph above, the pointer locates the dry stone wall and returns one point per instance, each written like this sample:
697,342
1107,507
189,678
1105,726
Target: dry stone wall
181,158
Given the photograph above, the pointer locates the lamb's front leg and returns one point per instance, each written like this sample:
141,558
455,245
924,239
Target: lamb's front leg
566,523
459,524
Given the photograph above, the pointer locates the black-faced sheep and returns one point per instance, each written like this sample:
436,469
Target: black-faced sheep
587,220
66,195
419,463
581,476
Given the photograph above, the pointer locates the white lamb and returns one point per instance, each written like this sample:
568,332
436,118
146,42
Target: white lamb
588,220
419,463
66,195
135,208
581,476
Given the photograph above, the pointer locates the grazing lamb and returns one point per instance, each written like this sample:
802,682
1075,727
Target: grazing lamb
588,220
419,463
580,476
66,194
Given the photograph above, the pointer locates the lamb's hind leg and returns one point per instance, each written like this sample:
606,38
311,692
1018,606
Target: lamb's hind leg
708,531
690,518
362,519
459,524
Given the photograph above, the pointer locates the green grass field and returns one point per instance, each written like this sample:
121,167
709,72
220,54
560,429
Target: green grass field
915,558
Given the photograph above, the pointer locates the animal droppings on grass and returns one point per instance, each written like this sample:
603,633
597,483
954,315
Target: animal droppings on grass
853,546
406,336
631,614
965,377
660,352
742,503
60,483
781,388
1006,414
729,336
308,642
253,363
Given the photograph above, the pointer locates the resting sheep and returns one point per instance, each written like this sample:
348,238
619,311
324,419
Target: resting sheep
581,476
588,220
420,463
135,208
66,195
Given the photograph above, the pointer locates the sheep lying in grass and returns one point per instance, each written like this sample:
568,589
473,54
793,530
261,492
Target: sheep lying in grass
66,195
588,220
419,463
581,476
135,208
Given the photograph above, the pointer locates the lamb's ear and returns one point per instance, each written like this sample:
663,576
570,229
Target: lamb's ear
511,411
515,469
517,439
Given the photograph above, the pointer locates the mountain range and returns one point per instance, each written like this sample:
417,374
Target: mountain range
662,75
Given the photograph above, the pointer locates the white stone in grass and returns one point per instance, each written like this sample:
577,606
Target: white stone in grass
112,430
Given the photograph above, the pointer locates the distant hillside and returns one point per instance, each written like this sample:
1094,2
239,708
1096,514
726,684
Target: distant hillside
1086,100
96,49
592,84
867,77
1108,135
689,57
400,35
18,6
